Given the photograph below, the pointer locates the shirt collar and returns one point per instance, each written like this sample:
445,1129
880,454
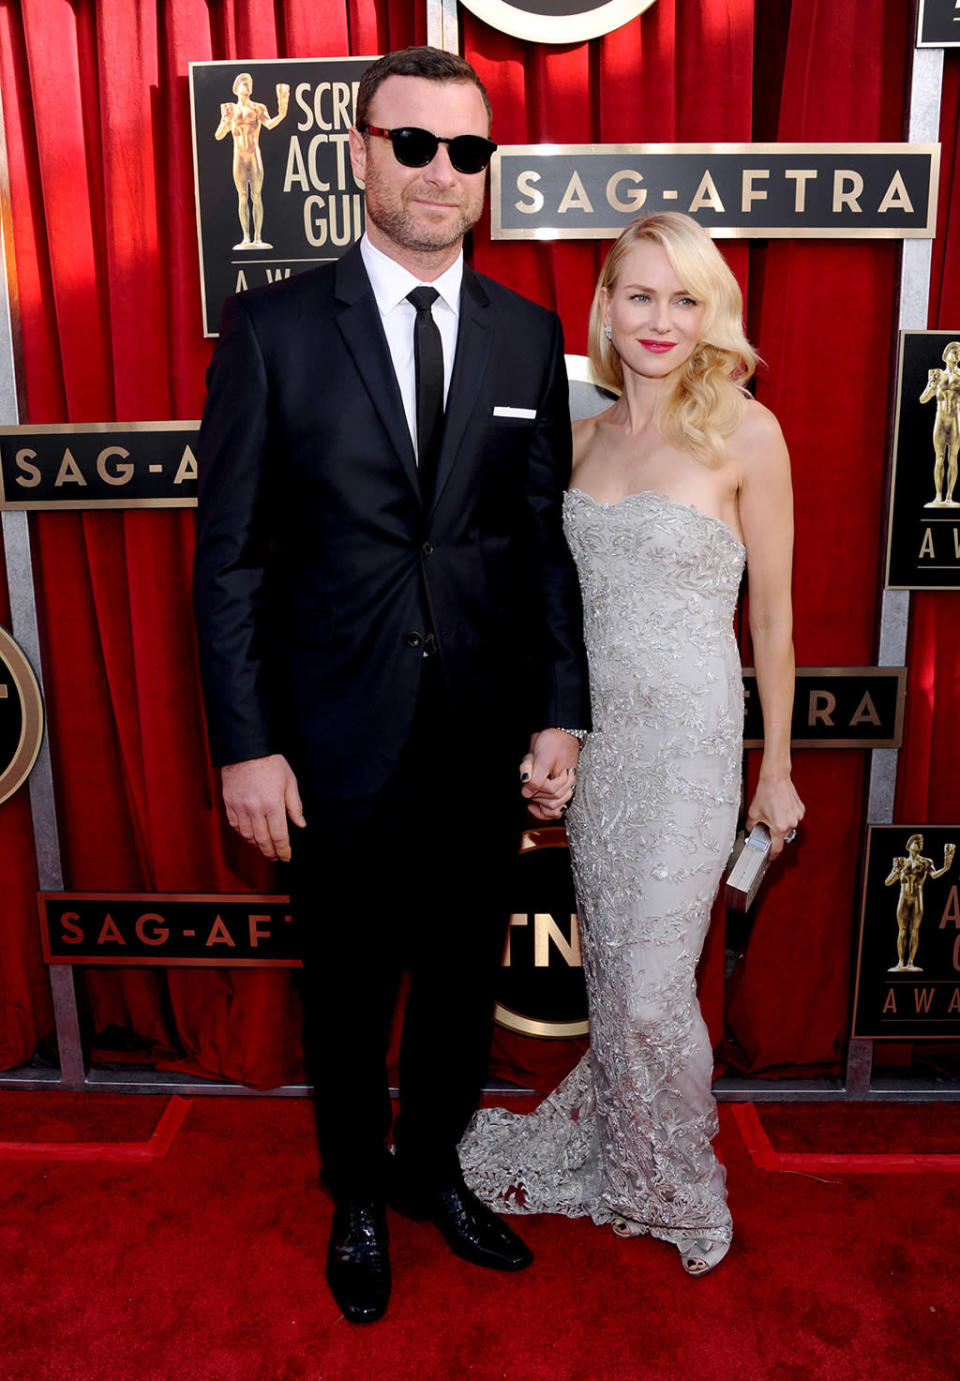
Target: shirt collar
391,281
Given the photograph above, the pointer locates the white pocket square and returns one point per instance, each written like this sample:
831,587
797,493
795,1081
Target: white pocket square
515,412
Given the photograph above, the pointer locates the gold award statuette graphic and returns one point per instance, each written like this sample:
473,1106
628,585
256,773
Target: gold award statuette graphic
944,385
275,155
21,717
908,957
912,872
923,532
243,119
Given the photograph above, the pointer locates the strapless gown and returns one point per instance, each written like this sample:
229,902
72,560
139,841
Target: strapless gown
628,1133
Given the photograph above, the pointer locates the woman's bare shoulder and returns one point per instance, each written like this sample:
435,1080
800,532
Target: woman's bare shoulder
757,437
758,423
584,434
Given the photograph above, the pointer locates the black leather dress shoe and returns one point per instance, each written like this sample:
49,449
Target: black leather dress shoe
472,1230
358,1267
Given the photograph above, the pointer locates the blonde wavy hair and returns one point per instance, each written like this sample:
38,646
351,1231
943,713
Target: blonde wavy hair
708,398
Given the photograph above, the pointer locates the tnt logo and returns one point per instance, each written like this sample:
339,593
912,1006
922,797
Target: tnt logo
541,990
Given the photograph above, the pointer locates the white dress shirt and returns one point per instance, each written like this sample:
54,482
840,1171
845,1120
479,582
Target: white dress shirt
391,282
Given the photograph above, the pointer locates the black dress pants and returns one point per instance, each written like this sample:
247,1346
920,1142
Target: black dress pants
414,878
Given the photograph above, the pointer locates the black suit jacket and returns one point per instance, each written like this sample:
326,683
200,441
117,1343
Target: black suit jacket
318,569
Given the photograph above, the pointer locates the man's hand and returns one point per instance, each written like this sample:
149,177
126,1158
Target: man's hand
549,773
259,794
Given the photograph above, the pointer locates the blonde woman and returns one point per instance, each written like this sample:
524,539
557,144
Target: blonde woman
681,483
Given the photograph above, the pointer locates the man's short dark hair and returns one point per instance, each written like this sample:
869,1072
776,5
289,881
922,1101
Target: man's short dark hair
432,63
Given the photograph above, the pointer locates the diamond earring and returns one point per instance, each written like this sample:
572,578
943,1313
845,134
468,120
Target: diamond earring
608,332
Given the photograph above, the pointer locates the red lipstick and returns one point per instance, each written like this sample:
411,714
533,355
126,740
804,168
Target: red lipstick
659,347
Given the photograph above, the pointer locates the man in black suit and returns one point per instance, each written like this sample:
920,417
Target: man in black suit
389,621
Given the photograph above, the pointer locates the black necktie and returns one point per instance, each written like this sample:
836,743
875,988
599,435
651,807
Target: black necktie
428,360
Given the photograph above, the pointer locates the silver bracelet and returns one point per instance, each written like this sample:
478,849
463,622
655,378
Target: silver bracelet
579,734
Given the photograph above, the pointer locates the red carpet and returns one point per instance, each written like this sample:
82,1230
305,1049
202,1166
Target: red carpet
886,1162
205,1263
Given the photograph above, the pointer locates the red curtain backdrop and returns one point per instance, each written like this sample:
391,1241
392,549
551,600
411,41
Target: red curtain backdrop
96,103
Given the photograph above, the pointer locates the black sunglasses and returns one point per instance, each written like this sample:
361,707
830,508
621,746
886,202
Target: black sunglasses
415,148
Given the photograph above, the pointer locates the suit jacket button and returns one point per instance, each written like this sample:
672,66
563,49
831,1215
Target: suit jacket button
413,639
427,548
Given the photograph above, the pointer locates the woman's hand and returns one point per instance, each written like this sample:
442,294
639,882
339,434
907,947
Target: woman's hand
548,773
777,804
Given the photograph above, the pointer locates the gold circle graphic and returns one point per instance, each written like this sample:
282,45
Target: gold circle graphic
544,27
15,772
548,1030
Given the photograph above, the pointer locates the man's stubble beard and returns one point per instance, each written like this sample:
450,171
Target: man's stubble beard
393,218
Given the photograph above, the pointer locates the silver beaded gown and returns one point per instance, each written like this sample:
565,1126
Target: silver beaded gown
628,1132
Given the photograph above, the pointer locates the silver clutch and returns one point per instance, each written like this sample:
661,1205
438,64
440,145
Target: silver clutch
749,860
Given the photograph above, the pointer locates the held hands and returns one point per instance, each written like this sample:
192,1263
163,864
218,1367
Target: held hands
548,773
777,804
259,795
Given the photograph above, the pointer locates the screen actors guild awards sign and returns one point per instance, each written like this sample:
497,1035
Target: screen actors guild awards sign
766,191
21,717
923,543
908,965
275,191
176,930
99,465
836,707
